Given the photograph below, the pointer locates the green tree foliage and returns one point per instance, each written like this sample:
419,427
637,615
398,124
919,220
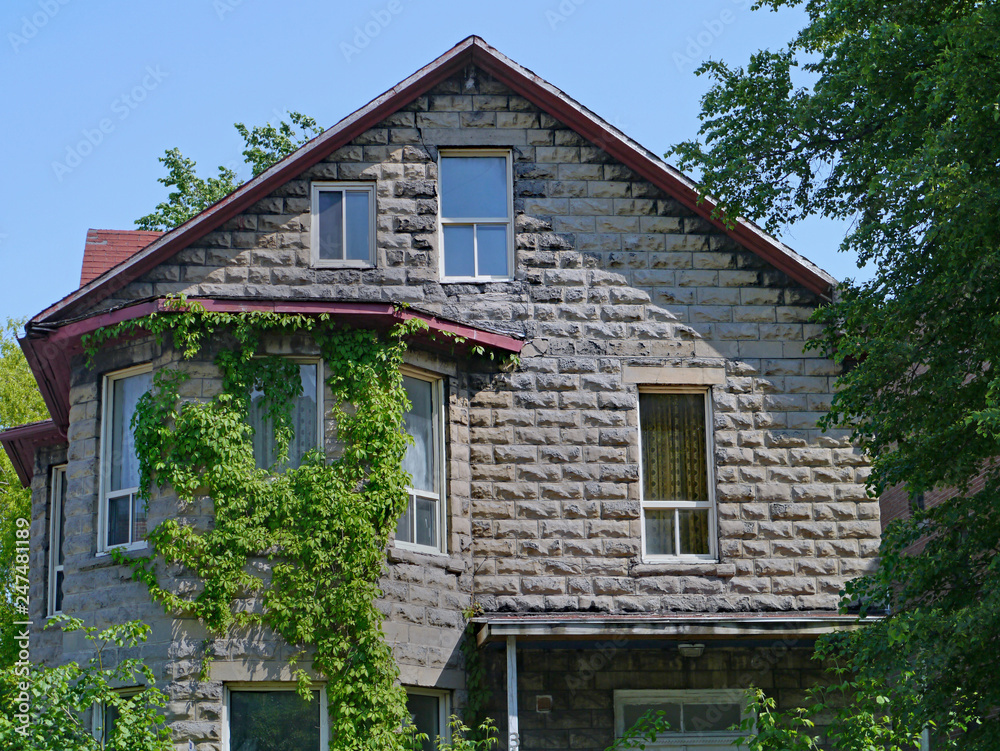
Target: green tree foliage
49,709
191,194
896,131
20,402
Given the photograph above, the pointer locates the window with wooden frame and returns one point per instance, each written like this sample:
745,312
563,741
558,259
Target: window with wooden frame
343,224
273,717
307,420
476,212
122,513
57,533
422,525
700,720
678,486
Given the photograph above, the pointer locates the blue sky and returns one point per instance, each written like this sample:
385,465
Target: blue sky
93,93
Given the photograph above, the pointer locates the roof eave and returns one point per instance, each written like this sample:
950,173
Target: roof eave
21,442
50,349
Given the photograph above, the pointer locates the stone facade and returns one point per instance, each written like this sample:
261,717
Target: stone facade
614,281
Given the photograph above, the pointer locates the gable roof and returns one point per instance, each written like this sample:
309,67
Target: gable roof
106,248
472,50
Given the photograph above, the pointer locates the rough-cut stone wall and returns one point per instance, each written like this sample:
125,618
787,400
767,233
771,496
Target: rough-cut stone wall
425,595
543,493
582,683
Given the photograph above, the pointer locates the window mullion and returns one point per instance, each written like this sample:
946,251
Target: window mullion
343,225
475,250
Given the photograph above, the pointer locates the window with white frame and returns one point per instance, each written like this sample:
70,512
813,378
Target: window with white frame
343,224
678,491
701,720
122,512
57,526
307,416
429,711
422,525
273,717
477,238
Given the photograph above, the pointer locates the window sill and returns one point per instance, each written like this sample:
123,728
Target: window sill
342,265
103,558
450,563
476,279
680,567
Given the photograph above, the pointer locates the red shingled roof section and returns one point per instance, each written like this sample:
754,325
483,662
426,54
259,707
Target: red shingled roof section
106,248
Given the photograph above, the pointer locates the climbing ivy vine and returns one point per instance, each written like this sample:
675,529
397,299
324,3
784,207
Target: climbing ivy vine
298,550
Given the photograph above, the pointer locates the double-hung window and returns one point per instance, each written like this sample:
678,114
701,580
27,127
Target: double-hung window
678,492
122,514
422,525
273,717
343,224
477,239
701,720
307,415
57,533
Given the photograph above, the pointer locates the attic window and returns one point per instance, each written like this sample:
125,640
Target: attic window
343,224
477,238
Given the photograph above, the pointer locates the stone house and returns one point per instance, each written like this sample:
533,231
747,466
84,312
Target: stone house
643,511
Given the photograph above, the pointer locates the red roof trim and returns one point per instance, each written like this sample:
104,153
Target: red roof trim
521,80
50,352
21,442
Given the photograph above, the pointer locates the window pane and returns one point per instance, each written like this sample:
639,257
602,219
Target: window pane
705,718
458,251
358,226
111,716
427,522
659,531
61,516
674,466
118,523
419,423
304,423
632,712
473,186
331,225
59,592
693,525
273,721
304,417
138,518
123,463
404,530
491,246
425,713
